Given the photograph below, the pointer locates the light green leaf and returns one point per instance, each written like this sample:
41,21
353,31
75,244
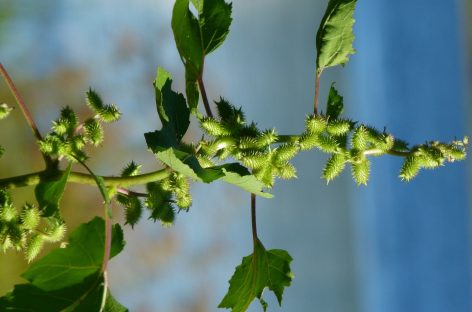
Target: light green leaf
49,193
238,175
263,269
83,256
335,36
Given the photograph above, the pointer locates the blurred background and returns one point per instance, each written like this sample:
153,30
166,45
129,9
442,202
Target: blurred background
391,246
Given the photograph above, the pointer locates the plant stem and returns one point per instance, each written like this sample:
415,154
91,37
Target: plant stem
130,192
317,91
24,109
82,178
253,219
206,104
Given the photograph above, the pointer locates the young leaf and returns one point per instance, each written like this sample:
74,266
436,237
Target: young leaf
335,37
48,194
335,105
264,268
171,106
214,19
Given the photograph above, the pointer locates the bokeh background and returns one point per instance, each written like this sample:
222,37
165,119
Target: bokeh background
390,246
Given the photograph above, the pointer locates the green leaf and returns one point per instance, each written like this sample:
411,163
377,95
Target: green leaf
238,175
83,256
264,268
48,194
196,38
70,278
171,106
85,296
335,36
189,166
214,19
335,104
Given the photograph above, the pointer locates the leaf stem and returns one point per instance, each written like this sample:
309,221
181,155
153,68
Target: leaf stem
82,178
253,219
317,91
206,104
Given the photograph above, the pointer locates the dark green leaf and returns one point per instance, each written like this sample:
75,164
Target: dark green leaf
49,193
70,278
83,256
187,37
85,296
214,18
335,105
171,106
264,268
335,36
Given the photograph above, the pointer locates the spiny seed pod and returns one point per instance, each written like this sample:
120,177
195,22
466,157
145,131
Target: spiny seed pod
360,138
454,153
60,126
5,198
255,160
266,138
410,168
30,217
213,127
94,101
266,175
8,213
78,142
361,171
33,247
228,113
70,116
131,169
308,141
315,124
327,143
224,153
400,145
133,208
334,166
184,201
93,131
339,127
385,142
205,162
287,171
16,235
429,157
55,232
285,152
109,113
248,143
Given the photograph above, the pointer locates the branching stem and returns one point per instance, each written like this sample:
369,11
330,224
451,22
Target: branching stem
24,109
82,178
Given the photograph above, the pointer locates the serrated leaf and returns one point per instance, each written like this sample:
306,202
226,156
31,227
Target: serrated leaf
49,193
214,19
85,296
69,279
83,256
260,270
196,38
171,106
335,36
335,105
238,175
